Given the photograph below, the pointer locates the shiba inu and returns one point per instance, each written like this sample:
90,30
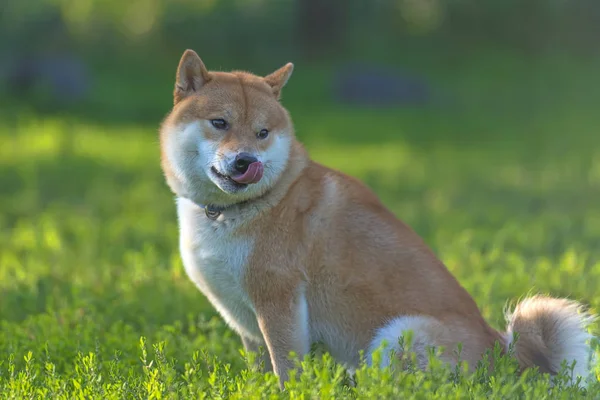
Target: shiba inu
291,252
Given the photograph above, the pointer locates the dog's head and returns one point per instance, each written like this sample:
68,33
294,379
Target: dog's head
228,138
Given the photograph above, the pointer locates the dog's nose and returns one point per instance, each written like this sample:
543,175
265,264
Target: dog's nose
242,161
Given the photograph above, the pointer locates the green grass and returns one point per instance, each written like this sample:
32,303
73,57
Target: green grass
504,184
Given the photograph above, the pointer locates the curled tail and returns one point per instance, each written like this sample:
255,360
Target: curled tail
551,331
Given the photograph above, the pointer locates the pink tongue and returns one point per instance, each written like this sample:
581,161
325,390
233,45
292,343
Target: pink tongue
253,174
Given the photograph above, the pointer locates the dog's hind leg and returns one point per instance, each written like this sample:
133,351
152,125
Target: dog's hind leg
426,332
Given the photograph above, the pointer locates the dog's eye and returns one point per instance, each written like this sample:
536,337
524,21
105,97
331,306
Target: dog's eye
220,124
262,134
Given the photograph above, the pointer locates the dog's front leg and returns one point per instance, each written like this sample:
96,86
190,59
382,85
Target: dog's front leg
260,349
283,320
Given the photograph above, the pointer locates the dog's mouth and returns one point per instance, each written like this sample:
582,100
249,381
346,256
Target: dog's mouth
228,180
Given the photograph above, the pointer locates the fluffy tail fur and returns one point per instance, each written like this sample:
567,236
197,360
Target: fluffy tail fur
551,331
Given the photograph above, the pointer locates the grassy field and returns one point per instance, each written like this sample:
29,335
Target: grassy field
503,181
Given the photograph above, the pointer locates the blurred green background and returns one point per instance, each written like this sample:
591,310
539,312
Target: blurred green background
108,59
476,121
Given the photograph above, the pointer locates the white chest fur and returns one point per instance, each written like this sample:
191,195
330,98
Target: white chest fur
215,260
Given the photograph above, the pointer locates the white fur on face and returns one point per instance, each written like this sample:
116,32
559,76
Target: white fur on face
191,156
275,159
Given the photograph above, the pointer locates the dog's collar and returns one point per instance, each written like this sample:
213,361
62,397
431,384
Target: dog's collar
213,211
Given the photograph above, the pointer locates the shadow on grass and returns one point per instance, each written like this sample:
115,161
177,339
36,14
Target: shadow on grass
140,305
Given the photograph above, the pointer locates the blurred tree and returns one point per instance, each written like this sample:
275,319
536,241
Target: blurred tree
259,31
320,26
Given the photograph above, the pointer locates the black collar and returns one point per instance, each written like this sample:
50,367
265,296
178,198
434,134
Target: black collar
213,211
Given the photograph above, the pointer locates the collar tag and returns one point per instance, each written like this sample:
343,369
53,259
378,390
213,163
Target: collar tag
212,213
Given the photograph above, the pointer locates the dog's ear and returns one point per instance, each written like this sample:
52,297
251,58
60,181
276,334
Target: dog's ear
191,76
279,78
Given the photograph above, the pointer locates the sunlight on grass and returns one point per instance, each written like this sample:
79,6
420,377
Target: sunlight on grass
90,263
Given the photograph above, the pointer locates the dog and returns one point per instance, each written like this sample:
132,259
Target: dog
290,252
